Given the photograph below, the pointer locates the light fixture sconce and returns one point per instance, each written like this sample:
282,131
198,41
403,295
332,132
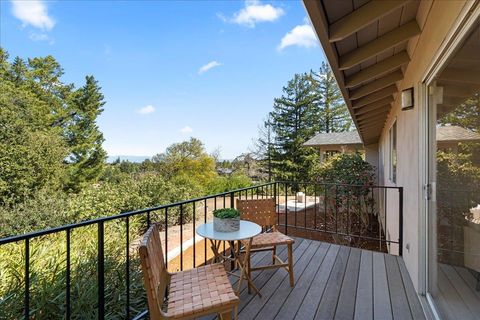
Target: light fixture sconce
407,99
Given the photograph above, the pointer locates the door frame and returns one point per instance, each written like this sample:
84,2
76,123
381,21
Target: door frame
466,19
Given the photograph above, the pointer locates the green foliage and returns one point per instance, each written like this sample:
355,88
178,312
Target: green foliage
347,169
333,115
187,159
310,103
293,121
465,114
85,140
226,213
44,121
225,183
48,275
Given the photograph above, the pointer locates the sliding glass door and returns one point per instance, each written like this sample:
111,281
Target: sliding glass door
454,183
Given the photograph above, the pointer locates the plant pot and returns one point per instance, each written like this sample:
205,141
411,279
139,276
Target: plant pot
226,225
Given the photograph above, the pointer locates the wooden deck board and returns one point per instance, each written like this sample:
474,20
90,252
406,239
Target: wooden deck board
268,289
364,299
382,308
312,299
294,300
400,306
332,282
273,305
346,301
328,304
414,303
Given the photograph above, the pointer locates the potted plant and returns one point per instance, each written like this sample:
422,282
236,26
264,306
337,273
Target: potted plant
226,220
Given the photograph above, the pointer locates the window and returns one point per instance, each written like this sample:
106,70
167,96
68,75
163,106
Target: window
330,153
393,152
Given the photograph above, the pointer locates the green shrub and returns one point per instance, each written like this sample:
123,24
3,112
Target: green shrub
226,213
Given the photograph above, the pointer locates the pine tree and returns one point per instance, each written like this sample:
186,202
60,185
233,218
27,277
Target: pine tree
264,148
83,136
333,115
293,121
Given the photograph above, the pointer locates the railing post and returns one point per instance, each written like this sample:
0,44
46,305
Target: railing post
67,287
101,272
127,266
27,279
400,221
232,244
286,207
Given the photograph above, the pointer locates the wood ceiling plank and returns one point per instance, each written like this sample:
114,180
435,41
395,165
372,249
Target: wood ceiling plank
376,85
362,17
372,114
372,120
373,97
382,43
382,103
378,69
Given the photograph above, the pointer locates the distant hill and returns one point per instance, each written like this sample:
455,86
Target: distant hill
111,159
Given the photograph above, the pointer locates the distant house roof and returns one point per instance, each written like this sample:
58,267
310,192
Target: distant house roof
456,134
334,138
444,134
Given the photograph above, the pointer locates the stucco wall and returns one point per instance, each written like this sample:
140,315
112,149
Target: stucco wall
436,20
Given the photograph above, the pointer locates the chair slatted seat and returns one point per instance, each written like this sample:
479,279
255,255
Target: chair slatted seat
191,293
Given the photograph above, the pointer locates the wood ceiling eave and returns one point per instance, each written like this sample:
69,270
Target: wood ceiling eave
367,61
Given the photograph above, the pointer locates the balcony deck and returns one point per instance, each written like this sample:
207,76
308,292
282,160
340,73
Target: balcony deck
332,282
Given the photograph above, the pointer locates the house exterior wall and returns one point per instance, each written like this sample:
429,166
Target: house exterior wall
437,19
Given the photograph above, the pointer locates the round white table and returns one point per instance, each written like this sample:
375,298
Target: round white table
245,234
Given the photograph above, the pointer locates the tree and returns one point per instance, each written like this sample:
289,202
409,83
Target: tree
293,121
264,147
332,113
187,160
31,153
49,138
87,156
466,114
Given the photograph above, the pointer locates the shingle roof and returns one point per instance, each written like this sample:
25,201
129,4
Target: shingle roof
334,138
456,133
444,134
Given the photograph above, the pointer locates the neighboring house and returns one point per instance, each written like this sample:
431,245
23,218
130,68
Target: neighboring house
402,66
448,139
331,143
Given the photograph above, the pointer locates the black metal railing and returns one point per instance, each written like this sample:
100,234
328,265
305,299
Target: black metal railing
369,217
337,210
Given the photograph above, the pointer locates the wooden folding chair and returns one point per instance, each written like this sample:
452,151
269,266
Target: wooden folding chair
186,294
262,212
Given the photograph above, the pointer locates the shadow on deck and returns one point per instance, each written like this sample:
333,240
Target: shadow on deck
332,282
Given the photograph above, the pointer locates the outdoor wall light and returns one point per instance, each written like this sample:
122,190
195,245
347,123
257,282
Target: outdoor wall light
407,99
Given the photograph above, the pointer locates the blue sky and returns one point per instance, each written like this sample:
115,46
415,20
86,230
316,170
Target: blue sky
170,69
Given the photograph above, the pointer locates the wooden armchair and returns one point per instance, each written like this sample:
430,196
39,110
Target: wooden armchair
186,294
262,212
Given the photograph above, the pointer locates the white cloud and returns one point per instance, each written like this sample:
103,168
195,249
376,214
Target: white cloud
146,110
302,36
186,130
41,37
208,66
34,13
254,12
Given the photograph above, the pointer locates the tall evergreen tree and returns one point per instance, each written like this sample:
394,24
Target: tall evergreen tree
332,113
264,148
83,136
293,121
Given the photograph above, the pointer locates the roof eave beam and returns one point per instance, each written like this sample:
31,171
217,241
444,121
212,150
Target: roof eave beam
373,97
382,43
362,17
376,85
